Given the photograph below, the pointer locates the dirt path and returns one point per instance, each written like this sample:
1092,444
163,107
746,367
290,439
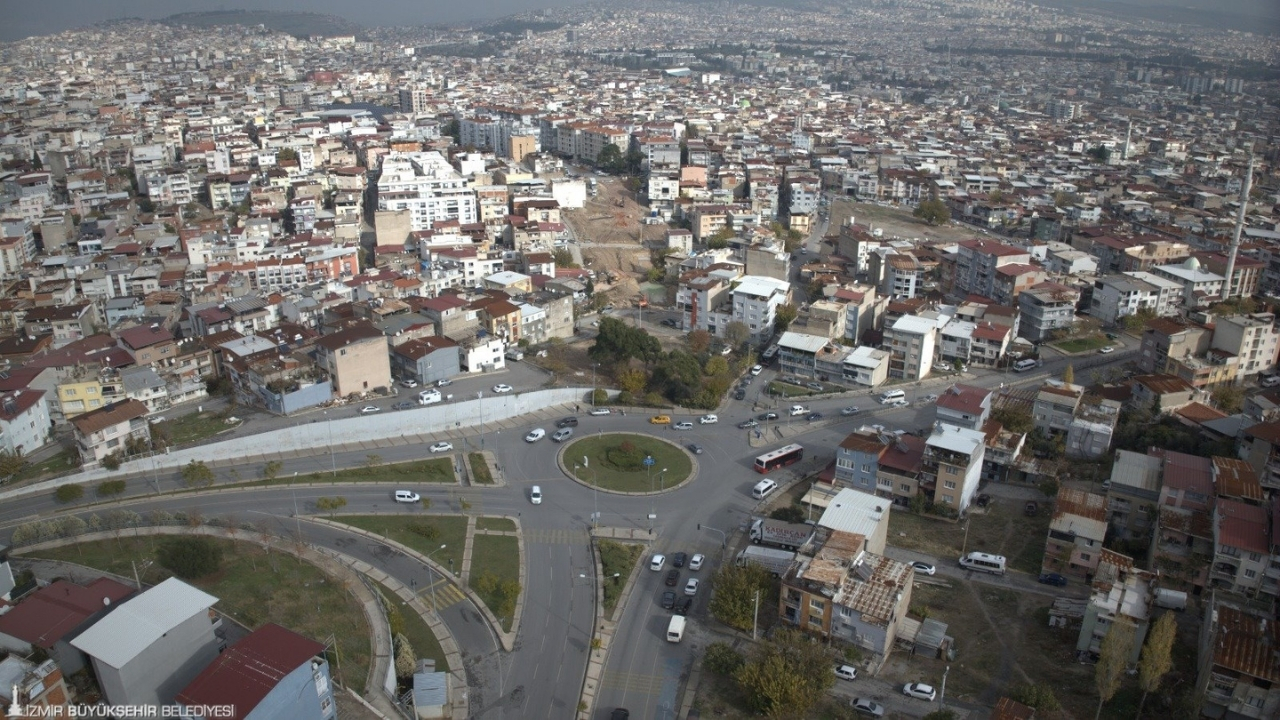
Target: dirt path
1008,667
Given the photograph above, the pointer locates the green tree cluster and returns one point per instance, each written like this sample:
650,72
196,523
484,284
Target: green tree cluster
500,594
734,602
933,212
786,677
617,342
1014,420
190,557
784,316
196,474
68,493
111,488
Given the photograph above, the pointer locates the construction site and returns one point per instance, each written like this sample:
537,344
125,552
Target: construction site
614,239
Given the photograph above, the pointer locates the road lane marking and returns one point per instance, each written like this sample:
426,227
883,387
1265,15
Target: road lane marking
440,595
633,682
557,537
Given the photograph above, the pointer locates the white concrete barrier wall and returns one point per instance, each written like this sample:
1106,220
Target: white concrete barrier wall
350,428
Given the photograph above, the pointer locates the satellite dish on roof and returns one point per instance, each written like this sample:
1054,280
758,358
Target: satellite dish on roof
106,601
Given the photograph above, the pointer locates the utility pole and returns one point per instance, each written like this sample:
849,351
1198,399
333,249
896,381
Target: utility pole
755,615
942,696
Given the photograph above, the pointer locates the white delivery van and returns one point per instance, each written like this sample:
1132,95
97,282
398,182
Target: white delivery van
890,395
1025,365
763,488
675,629
427,397
1171,599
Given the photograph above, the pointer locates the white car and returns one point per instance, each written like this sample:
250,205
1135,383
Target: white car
695,562
502,388
600,411
444,382
657,561
900,402
410,383
686,425
868,708
846,672
929,399
924,568
535,495
799,410
920,691
441,447
1107,349
535,435
369,409
407,496
691,587
756,369
708,419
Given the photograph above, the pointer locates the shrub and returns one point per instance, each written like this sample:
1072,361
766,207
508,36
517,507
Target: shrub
68,493
626,398
789,513
190,557
108,488
112,461
425,529
1035,695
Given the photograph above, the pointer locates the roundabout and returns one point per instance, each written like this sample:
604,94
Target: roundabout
627,463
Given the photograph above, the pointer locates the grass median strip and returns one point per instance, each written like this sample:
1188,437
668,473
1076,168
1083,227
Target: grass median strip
480,474
431,470
495,574
495,523
410,623
253,586
616,562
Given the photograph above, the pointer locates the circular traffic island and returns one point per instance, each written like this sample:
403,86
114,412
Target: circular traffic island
627,463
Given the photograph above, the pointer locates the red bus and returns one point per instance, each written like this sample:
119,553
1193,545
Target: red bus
781,457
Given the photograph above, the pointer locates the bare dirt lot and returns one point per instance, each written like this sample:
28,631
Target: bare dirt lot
896,222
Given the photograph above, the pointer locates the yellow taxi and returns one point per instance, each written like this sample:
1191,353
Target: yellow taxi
660,420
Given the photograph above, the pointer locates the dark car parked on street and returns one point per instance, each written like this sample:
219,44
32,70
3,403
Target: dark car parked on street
1053,579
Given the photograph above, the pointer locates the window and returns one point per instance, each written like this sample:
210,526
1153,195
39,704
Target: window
1250,574
1255,557
1085,557
906,488
816,605
950,485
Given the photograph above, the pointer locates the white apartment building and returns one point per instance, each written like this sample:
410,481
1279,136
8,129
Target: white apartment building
1124,294
1199,286
953,458
755,302
428,187
911,342
24,421
1252,338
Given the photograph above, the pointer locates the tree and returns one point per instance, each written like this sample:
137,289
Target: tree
630,379
736,333
787,676
734,602
1157,656
934,212
698,341
564,258
406,659
617,342
1112,660
1069,374
10,463
722,659
68,493
1228,398
784,316
610,158
717,365
190,557
1036,696
284,155
331,504
197,474
788,513
272,469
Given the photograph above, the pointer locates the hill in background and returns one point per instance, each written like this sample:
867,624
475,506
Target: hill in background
297,24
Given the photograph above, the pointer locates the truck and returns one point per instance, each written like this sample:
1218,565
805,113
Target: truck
1170,599
772,559
765,531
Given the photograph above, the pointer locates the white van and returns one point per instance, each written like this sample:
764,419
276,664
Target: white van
675,628
763,488
427,397
890,395
1025,365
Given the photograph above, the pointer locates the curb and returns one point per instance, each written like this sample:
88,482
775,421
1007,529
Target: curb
604,627
693,470
506,639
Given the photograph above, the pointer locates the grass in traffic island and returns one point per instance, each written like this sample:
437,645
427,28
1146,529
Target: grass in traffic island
495,574
615,461
496,523
424,533
431,470
617,559
480,474
406,621
253,586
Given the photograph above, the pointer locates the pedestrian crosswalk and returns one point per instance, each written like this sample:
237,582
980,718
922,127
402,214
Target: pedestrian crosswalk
441,595
633,682
557,537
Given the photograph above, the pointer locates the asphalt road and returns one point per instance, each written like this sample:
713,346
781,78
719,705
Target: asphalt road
542,677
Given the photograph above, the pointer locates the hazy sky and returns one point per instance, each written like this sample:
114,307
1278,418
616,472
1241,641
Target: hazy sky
24,18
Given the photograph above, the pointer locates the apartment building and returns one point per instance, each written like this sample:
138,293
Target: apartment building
1045,308
1239,669
1119,592
1183,540
858,460
951,466
105,431
24,421
1055,406
911,341
1119,296
1074,544
966,406
1166,340
428,187
977,264
1199,286
1241,546
356,359
755,303
1253,339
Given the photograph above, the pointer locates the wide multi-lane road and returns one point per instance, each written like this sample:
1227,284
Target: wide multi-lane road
542,677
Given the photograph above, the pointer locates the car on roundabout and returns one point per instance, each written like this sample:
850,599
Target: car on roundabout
683,425
694,448
1106,350
708,419
660,420
535,435
765,417
745,424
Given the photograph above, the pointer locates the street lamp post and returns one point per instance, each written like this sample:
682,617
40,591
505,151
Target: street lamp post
648,471
431,576
942,695
593,385
480,402
662,479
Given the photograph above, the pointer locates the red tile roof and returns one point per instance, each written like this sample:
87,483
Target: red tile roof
52,612
249,670
1242,526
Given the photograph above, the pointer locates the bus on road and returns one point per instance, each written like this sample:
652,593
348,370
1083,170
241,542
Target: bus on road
781,457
